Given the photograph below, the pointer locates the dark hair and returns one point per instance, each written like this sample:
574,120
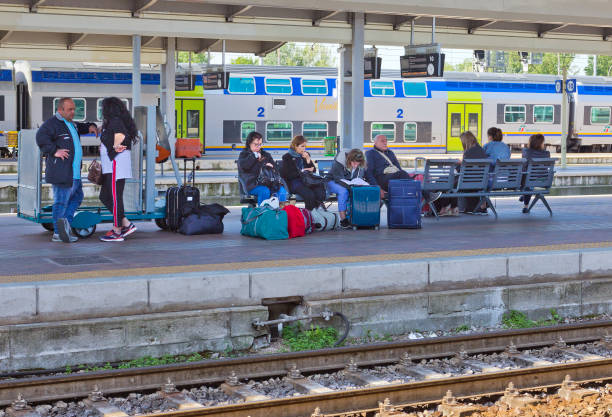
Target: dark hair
495,133
114,108
251,137
468,140
297,141
536,141
357,156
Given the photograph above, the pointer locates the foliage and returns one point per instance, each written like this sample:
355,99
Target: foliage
462,328
140,363
548,65
315,55
519,320
465,66
245,60
315,338
195,58
604,65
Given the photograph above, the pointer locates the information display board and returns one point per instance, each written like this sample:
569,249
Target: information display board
184,82
422,65
215,80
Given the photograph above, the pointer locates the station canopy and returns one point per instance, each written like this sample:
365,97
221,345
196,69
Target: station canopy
101,30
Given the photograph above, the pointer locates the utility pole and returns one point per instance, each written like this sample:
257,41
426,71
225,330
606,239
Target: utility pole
594,65
564,123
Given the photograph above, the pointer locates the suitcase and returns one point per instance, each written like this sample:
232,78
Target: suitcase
404,209
295,221
364,206
182,201
188,148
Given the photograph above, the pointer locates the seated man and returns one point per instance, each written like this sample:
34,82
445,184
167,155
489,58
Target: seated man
382,165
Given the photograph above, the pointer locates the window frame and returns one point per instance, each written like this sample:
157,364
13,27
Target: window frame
405,82
279,140
242,92
416,130
57,99
372,135
515,105
372,83
316,140
544,105
600,107
314,79
278,78
99,106
246,121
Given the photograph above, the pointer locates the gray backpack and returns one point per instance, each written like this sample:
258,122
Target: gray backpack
323,220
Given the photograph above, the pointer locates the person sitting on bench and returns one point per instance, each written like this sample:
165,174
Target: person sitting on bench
383,165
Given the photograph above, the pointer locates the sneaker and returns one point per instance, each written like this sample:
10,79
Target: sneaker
126,231
56,238
525,210
111,236
454,211
345,224
63,230
480,211
521,199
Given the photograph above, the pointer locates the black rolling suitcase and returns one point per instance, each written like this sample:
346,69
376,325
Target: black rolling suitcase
181,201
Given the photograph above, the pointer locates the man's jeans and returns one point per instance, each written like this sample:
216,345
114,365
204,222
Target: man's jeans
66,200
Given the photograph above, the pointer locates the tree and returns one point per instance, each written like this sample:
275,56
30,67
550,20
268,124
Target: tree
195,58
604,65
548,65
315,55
465,66
245,60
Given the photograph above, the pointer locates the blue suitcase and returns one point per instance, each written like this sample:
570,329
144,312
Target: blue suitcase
364,206
404,209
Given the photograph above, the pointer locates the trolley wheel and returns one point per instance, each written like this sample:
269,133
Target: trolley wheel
47,226
376,227
161,223
84,233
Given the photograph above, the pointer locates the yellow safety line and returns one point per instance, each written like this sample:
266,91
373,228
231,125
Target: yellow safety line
233,266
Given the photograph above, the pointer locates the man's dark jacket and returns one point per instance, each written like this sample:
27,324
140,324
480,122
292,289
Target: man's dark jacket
377,164
54,135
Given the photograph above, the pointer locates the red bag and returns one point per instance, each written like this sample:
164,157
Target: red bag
307,220
188,148
295,221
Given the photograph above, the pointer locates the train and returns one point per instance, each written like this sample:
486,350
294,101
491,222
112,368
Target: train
416,115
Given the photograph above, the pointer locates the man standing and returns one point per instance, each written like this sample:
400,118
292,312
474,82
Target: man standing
383,165
59,141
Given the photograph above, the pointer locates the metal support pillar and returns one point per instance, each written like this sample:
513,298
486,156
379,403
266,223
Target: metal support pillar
356,138
167,81
564,121
345,95
136,88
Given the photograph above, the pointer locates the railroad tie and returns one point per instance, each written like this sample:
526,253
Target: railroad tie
180,401
524,359
451,407
234,388
570,390
419,371
96,401
303,385
512,398
463,358
20,408
352,373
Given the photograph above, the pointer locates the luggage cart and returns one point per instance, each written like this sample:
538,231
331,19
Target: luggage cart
142,200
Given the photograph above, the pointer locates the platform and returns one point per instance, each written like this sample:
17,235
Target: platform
160,292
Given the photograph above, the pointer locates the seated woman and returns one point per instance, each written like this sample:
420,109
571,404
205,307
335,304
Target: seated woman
346,166
296,164
251,161
495,148
471,150
534,149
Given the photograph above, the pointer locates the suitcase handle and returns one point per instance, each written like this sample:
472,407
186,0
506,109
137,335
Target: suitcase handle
193,161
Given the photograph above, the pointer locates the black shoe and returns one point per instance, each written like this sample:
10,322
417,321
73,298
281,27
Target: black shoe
525,210
480,211
345,224
521,199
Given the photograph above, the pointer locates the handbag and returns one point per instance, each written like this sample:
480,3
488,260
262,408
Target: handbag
94,173
391,169
310,180
270,178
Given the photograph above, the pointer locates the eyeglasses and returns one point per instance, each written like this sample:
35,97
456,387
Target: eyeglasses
257,144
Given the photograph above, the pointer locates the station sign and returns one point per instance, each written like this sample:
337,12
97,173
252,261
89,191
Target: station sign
371,67
215,79
422,65
184,82
570,86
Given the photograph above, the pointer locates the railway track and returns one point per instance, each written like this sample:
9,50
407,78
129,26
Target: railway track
412,358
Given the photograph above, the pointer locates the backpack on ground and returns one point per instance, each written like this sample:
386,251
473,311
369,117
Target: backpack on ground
295,221
181,201
264,222
323,220
208,219
307,220
404,209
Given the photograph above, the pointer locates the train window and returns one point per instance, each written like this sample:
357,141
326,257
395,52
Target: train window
600,115
314,87
79,108
314,130
382,88
279,131
387,129
193,123
245,129
543,114
473,123
455,125
514,114
415,89
410,132
99,107
278,86
241,85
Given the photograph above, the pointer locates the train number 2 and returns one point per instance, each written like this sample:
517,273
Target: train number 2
400,114
260,112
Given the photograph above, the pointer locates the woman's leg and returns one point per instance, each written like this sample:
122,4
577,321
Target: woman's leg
261,192
120,220
282,194
106,191
342,195
310,201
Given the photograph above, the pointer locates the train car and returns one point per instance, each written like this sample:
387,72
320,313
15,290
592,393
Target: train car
417,115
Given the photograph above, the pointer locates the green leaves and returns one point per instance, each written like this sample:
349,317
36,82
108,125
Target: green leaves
315,338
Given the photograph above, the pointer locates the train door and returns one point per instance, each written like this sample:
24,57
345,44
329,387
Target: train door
462,117
190,119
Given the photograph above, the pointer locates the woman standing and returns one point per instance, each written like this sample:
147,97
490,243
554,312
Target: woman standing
118,134
296,164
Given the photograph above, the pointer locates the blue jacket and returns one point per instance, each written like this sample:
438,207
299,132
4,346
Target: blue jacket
54,135
377,164
497,151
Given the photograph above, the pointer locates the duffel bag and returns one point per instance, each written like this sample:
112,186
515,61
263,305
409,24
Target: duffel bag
307,220
201,224
295,221
323,220
264,222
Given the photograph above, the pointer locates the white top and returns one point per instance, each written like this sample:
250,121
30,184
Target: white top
123,162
